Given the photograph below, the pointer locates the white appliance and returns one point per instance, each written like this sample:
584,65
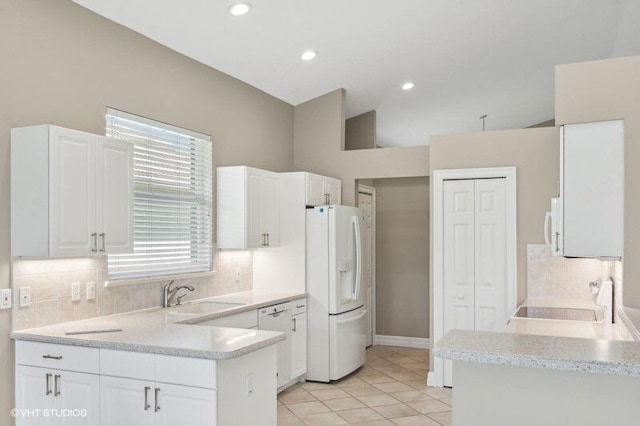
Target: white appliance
278,318
336,313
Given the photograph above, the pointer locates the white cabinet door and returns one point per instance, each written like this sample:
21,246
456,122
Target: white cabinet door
126,402
72,193
298,345
255,198
333,189
46,393
315,190
184,405
322,190
34,391
271,208
248,208
79,392
114,196
592,189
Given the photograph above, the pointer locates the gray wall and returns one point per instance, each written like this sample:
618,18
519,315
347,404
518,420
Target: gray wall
360,132
607,90
534,153
318,146
402,257
61,64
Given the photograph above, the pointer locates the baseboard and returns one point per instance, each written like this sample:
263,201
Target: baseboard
407,342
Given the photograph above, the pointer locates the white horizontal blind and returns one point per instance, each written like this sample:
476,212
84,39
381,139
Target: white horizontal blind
172,201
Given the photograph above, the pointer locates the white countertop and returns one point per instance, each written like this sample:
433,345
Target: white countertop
150,330
550,352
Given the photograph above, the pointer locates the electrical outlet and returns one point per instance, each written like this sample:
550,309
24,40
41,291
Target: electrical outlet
238,273
76,293
5,298
250,384
25,296
91,290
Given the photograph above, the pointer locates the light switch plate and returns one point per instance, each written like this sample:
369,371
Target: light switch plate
5,298
91,290
75,292
25,296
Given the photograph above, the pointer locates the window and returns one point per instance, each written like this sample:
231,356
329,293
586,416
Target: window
172,199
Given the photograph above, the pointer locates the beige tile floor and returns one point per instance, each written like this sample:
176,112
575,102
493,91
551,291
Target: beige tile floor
389,389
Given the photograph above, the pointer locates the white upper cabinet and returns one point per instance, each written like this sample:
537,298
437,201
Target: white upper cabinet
591,205
248,208
71,193
322,190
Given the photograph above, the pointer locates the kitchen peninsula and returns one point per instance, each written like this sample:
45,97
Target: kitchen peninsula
507,378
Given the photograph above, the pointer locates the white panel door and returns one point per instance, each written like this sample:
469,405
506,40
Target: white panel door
459,261
365,202
185,405
34,390
114,196
72,193
459,255
475,268
126,402
490,255
77,392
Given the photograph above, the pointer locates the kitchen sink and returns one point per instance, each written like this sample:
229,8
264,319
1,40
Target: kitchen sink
203,308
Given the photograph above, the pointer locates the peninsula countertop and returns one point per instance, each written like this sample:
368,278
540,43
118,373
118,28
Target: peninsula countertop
550,352
152,330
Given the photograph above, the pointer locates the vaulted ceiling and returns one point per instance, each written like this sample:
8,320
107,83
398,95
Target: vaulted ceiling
467,58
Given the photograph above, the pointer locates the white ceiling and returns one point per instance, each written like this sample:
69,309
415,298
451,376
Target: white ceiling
466,57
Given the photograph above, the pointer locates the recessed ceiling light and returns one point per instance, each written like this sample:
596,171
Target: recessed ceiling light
408,86
240,9
308,55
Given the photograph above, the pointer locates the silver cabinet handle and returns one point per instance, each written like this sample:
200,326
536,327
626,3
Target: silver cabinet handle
264,240
47,356
326,199
95,242
157,400
268,241
104,248
294,325
48,384
557,243
146,398
56,385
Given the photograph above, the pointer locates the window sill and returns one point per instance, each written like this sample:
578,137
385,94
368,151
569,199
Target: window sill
135,281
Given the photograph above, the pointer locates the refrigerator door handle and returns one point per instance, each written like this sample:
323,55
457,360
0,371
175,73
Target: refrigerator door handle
358,260
352,319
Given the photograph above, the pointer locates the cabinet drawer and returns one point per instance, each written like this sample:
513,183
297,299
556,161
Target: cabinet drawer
132,365
247,319
60,357
186,371
298,306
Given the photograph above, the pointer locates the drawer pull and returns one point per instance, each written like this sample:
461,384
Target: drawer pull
146,398
48,384
56,385
156,395
300,306
58,357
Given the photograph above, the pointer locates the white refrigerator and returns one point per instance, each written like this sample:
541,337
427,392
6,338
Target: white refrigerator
336,313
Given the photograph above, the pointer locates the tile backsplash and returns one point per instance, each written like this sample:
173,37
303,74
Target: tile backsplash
550,277
50,282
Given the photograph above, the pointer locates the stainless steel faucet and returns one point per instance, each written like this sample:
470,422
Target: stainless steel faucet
169,293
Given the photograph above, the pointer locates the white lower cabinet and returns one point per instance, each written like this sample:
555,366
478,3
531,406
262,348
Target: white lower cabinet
144,403
299,339
56,397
